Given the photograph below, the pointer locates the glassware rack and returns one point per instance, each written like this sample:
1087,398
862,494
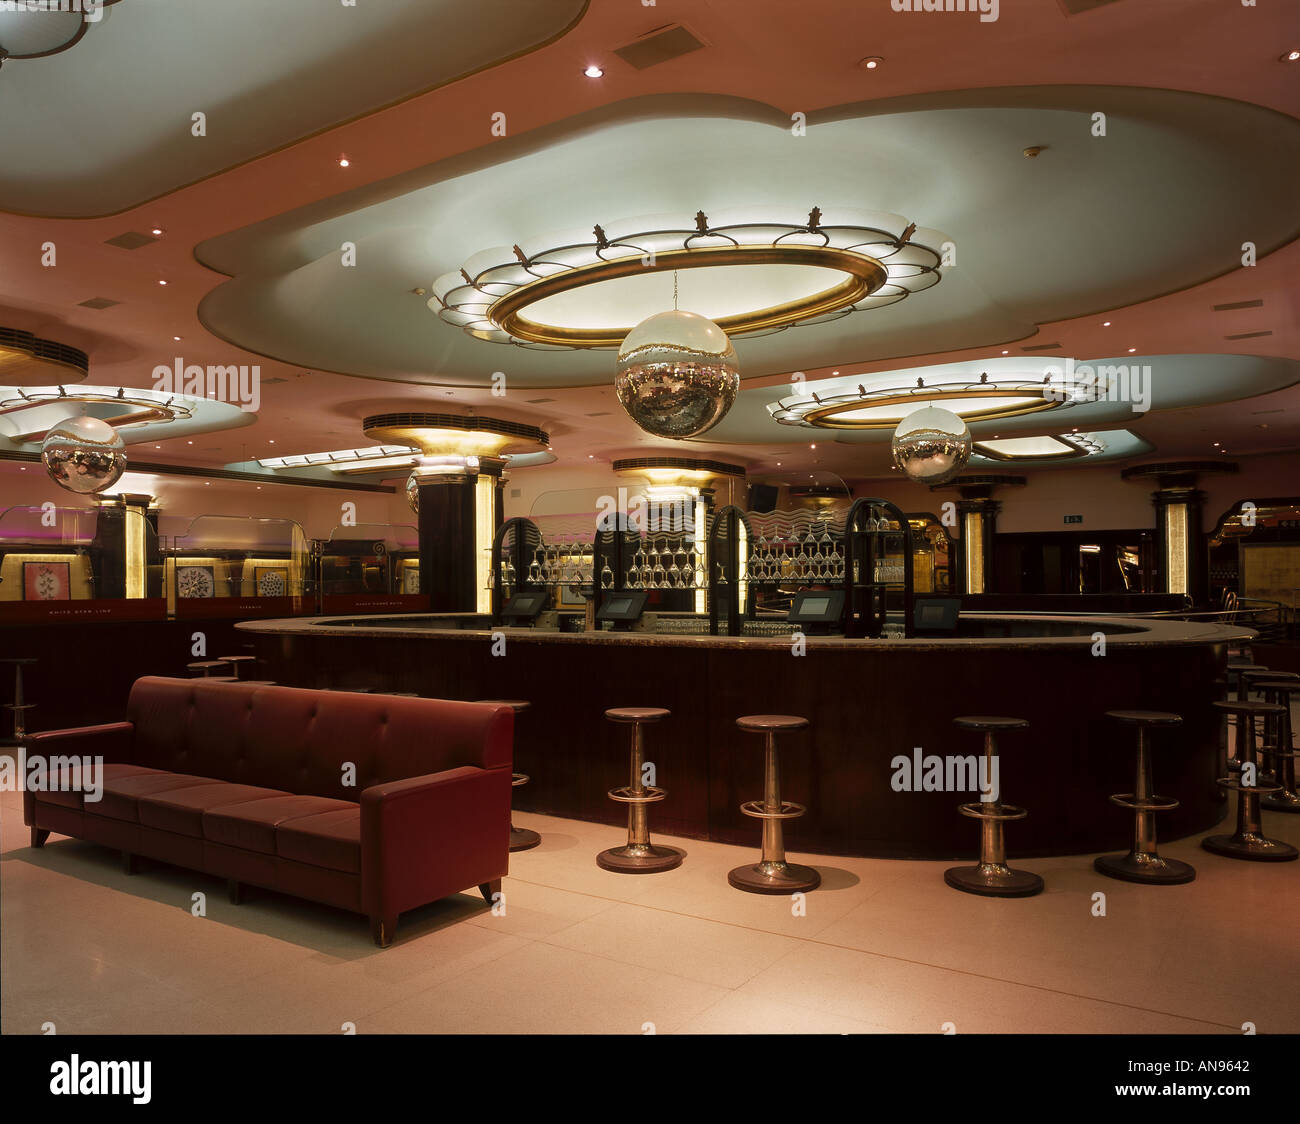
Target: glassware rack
878,581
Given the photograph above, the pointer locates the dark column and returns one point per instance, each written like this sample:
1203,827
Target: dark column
459,513
979,524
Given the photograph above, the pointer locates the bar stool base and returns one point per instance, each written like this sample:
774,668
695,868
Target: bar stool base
649,858
993,881
1145,868
1280,803
523,839
1256,848
774,878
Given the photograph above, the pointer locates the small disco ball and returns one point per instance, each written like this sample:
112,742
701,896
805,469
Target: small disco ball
931,446
84,455
413,492
677,374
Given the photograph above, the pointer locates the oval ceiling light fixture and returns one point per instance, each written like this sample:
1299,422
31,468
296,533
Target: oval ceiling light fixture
752,273
45,28
989,397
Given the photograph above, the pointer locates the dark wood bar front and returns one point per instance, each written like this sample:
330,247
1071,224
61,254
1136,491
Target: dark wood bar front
870,704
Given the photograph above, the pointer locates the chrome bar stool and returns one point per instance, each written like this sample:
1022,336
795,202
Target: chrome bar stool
20,706
772,874
991,876
1143,863
639,855
1248,841
521,838
1281,750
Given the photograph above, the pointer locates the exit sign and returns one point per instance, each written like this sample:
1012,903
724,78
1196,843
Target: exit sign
1074,518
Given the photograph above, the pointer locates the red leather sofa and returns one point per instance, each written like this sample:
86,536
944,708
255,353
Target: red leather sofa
251,783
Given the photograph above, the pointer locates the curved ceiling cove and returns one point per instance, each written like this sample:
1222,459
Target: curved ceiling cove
114,131
952,160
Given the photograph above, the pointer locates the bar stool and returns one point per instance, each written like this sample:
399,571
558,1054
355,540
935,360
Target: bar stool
1282,751
19,707
521,838
1244,673
235,661
639,856
1143,863
772,874
991,876
203,669
1248,842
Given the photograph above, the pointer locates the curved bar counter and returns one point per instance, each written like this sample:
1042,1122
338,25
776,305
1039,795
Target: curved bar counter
870,702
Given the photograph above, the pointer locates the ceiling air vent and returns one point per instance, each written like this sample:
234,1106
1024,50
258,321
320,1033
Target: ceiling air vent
131,240
1238,304
1078,7
98,302
538,401
1248,335
1043,347
599,414
658,46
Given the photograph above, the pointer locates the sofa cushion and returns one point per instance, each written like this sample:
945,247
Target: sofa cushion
67,797
122,793
330,839
180,810
252,825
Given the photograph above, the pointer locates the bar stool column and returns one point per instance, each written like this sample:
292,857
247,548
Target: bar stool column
639,855
1143,863
20,706
772,874
1282,751
991,877
1248,841
521,838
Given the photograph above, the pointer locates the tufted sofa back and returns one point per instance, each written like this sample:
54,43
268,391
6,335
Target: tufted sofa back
299,740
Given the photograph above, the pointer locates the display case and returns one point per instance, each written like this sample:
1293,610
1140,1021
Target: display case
370,567
239,566
77,564
931,554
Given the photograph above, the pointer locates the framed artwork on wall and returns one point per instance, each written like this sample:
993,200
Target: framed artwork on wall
411,579
271,581
195,581
46,581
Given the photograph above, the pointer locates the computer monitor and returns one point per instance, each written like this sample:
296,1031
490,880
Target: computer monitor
936,614
624,607
817,606
525,606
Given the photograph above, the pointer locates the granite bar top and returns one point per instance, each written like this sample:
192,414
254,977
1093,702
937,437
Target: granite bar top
1148,633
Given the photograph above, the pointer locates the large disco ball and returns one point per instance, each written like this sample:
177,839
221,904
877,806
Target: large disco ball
931,446
84,455
677,374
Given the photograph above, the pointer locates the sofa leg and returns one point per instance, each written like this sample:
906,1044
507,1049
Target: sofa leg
382,929
234,891
487,889
128,863
39,836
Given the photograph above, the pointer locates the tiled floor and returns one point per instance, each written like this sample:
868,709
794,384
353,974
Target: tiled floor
884,946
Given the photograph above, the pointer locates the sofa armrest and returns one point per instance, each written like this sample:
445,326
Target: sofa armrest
423,838
111,741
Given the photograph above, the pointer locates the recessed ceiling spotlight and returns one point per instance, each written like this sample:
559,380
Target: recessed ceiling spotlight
835,372
871,62
593,71
1033,150
1105,323
272,441
1131,350
157,446
157,231
1004,353
344,162
162,282
1290,56
1216,444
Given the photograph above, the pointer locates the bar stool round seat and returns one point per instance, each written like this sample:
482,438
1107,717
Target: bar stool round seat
1144,863
638,855
203,669
1282,752
1243,671
991,876
521,838
636,714
235,661
1249,841
772,874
